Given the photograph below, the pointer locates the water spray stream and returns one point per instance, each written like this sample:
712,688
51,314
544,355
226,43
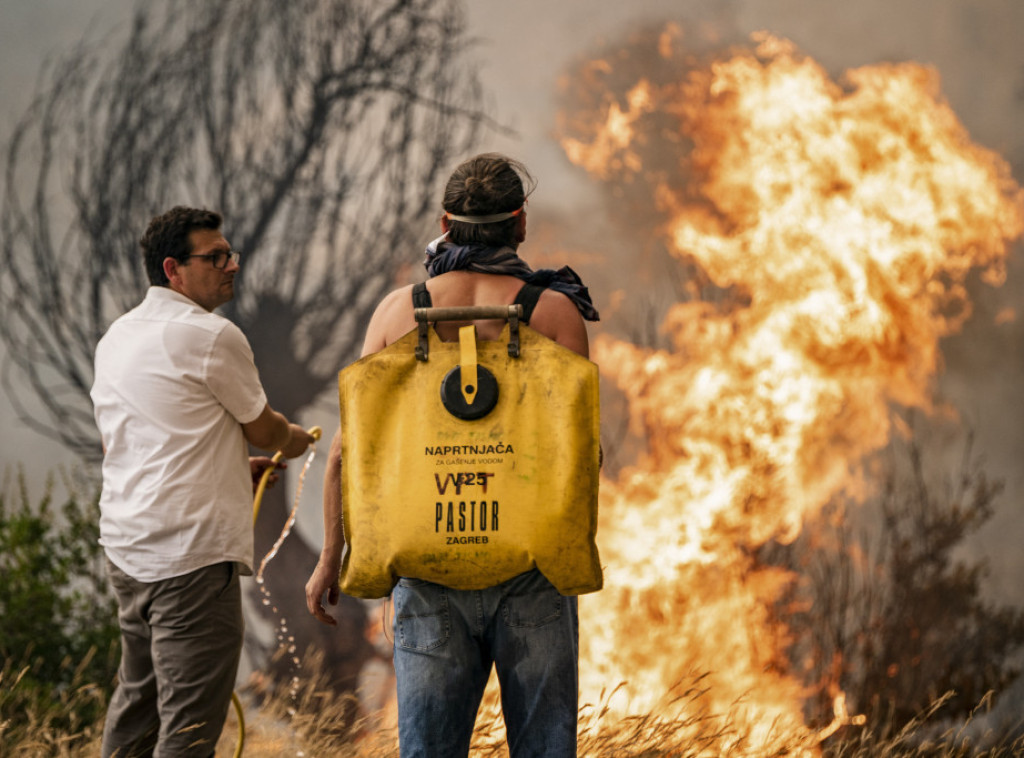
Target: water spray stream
283,636
285,640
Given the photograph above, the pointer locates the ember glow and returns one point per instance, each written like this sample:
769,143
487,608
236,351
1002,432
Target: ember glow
838,224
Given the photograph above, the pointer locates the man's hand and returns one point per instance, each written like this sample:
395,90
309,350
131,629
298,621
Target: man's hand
259,464
298,442
324,580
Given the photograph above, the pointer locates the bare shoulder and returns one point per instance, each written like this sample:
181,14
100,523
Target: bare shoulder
392,318
557,317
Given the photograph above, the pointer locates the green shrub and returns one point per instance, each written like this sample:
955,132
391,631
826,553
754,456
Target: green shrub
59,634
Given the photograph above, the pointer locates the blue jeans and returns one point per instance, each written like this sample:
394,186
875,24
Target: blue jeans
445,643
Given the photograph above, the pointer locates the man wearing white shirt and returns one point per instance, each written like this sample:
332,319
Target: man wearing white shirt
177,396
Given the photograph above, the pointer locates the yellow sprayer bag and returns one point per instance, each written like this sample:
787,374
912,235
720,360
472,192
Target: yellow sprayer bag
472,463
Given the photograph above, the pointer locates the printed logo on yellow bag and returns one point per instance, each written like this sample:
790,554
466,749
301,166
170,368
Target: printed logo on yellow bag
471,466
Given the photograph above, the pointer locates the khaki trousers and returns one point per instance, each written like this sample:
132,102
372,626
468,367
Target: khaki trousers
181,640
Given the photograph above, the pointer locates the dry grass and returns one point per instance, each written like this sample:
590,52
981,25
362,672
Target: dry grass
34,723
313,722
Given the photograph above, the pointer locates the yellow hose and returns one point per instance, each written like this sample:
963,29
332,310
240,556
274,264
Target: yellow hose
315,432
241,724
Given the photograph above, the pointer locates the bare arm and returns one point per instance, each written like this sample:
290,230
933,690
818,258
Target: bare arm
325,576
558,318
324,579
271,431
392,318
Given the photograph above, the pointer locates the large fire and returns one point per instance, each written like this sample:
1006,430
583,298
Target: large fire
838,225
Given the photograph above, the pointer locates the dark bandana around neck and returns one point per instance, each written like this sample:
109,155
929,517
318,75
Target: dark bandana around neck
443,256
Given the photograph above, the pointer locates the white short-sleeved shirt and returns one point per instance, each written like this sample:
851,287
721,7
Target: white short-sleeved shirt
173,385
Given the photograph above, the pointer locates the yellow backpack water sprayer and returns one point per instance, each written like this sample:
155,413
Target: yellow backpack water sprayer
466,463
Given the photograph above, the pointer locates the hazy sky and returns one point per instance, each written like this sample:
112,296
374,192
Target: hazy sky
524,46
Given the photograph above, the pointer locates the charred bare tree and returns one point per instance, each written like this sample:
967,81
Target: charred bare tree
321,129
891,613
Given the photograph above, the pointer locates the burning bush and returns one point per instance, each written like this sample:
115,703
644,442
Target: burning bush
889,608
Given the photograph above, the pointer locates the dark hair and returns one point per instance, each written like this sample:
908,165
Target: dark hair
485,184
167,237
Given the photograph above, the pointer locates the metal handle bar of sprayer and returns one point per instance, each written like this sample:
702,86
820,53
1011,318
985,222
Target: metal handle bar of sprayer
426,316
315,432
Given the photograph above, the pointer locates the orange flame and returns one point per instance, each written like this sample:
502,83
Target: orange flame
841,222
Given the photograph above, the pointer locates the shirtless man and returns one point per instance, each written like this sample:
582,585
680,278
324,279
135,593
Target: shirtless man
439,689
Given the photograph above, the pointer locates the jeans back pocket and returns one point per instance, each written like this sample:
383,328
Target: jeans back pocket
421,615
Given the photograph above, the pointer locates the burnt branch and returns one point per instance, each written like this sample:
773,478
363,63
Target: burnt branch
321,129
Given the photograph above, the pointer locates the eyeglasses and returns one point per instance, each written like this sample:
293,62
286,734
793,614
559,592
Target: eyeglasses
220,258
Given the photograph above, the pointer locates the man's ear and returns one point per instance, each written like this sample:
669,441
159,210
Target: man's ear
170,269
521,227
444,223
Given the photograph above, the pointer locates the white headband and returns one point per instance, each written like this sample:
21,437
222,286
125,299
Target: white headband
491,219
